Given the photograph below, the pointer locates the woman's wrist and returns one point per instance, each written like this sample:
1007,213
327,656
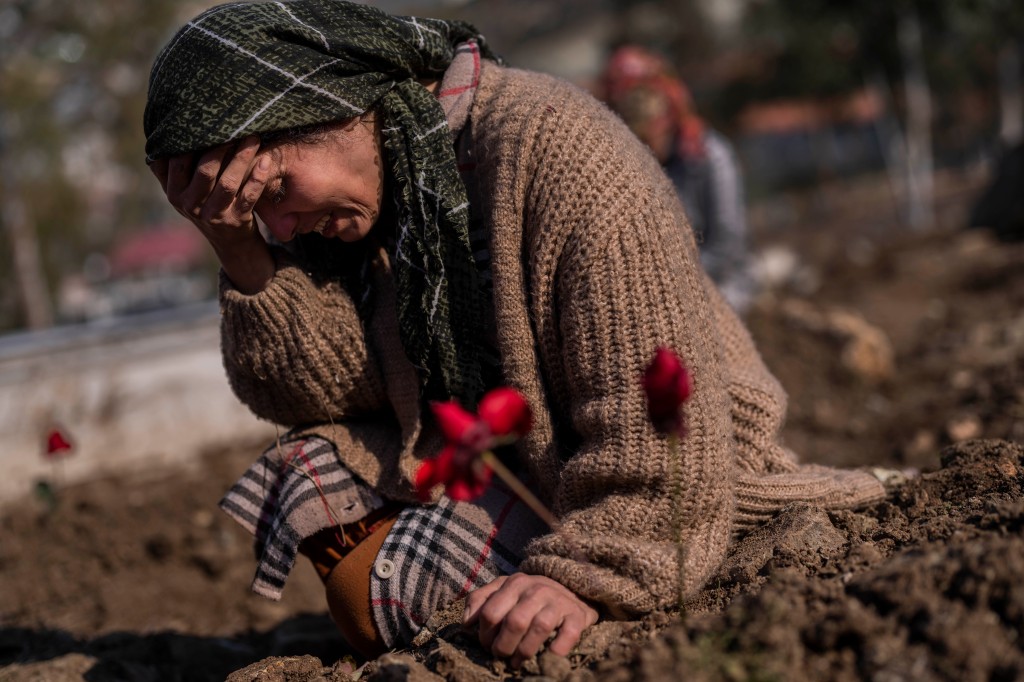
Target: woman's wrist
248,264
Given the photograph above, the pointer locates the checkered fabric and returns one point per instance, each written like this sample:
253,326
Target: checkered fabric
295,488
435,555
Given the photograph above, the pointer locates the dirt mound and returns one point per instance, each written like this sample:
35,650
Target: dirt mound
951,307
922,586
144,579
926,586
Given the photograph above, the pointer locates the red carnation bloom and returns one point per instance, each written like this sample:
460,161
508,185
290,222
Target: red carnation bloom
667,385
464,475
503,415
57,445
506,412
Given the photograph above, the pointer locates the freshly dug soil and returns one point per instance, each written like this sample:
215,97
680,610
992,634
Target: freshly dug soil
899,350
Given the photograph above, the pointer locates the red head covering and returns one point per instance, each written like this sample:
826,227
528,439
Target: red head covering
631,68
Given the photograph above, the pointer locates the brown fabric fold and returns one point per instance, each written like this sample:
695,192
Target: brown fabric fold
348,594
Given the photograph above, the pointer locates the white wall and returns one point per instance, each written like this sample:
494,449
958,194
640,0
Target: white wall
143,392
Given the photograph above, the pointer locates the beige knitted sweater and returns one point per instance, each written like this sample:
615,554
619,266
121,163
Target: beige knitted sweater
594,266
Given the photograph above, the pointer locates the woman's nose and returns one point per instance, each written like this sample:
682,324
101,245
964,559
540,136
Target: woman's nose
281,224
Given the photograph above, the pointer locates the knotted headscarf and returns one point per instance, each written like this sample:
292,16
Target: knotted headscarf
252,68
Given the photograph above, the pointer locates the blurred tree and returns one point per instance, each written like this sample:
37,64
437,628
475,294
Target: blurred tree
72,90
1011,99
920,49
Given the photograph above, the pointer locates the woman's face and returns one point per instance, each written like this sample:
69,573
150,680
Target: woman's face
648,114
332,185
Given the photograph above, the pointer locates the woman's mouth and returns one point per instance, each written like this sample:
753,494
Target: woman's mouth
337,223
321,224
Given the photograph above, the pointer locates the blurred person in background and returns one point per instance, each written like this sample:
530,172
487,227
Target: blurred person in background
641,87
432,225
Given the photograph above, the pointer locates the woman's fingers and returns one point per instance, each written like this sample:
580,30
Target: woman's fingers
517,614
217,192
179,175
253,188
506,635
195,198
493,612
477,598
526,629
230,174
218,189
571,629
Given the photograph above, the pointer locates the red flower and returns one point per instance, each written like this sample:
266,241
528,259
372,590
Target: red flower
503,415
667,385
456,424
464,475
506,412
57,445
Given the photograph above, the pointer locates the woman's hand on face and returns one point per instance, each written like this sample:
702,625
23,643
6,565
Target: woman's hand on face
217,193
515,615
218,190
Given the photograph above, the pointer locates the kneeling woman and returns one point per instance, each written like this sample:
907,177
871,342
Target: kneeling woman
436,225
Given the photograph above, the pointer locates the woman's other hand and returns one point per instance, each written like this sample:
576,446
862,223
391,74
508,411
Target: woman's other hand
217,192
516,614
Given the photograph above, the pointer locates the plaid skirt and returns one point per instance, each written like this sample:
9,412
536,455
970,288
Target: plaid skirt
432,556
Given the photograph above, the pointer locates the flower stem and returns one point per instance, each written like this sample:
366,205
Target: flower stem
524,493
673,444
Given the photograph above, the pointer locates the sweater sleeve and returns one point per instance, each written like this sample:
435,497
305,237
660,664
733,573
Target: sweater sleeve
642,522
295,353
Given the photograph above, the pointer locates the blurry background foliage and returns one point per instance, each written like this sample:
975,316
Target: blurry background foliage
825,48
73,83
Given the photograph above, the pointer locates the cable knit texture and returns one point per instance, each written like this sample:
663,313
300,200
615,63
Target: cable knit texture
593,266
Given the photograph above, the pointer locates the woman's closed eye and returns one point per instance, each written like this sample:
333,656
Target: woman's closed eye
276,193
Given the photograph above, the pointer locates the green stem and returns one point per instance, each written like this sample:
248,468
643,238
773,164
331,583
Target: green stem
673,444
524,493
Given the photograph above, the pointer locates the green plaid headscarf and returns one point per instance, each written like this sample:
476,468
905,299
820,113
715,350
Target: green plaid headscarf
252,68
